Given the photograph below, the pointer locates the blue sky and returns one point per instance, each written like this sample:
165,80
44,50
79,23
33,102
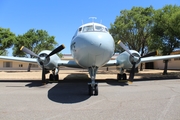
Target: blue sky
61,18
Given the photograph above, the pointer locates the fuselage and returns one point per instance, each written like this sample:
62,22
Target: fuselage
92,45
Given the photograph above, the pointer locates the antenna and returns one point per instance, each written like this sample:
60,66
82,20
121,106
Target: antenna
82,22
93,18
101,22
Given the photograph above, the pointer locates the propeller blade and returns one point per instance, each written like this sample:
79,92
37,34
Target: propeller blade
150,54
58,49
43,75
26,50
131,76
124,47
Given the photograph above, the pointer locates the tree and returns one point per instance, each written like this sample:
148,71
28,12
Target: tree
60,55
3,52
133,28
35,40
6,40
165,31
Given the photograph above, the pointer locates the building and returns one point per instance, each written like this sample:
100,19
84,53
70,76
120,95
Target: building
172,64
16,65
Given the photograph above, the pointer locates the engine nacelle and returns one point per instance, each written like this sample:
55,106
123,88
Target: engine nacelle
125,60
51,62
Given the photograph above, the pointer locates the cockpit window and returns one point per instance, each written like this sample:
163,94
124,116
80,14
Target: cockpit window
106,29
99,28
80,29
88,28
94,28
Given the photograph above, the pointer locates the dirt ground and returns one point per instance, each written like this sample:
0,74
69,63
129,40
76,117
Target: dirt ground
80,73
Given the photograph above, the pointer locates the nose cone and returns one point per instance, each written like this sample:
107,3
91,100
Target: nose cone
93,48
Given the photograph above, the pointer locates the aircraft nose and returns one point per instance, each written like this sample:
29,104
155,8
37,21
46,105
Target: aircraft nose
92,48
95,43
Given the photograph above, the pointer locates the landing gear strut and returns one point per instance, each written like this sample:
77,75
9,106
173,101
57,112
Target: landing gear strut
93,86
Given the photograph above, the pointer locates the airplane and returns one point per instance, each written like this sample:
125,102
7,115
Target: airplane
92,47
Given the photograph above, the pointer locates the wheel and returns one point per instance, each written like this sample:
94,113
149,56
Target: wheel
96,90
56,77
118,76
124,76
90,90
51,77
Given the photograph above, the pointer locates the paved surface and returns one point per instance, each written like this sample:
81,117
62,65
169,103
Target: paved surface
21,99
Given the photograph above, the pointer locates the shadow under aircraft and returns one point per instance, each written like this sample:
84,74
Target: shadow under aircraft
72,89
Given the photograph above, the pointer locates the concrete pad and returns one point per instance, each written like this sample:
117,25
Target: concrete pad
150,99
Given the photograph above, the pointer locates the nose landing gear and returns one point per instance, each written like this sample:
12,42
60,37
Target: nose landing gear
93,86
93,90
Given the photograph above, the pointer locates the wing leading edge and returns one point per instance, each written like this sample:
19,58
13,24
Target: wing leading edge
145,59
66,63
69,63
111,63
154,58
21,59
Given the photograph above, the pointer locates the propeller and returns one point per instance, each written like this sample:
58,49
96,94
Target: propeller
132,72
135,60
124,47
43,75
26,50
150,54
56,50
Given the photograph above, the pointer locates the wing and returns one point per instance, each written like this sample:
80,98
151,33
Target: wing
154,58
111,63
69,63
145,59
21,59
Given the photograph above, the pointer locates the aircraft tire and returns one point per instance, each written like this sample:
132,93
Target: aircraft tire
56,77
51,77
96,90
90,90
118,76
124,76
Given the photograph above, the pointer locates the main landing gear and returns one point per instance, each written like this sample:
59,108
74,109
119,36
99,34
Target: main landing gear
93,86
122,75
54,76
